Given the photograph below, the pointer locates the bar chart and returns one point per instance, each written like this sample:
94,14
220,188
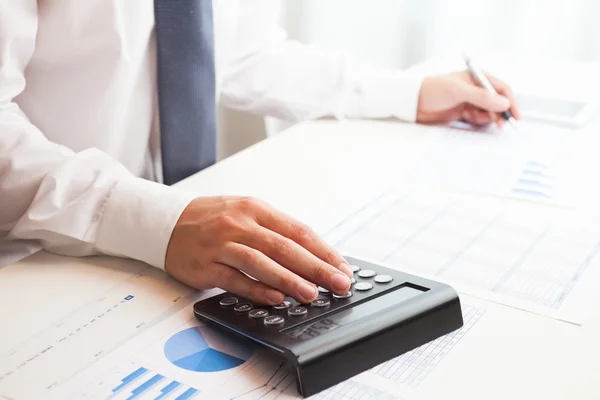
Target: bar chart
137,382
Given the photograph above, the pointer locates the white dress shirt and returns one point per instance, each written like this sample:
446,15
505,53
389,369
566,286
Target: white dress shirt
79,143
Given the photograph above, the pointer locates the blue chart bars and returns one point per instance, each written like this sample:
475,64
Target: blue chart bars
141,381
535,180
129,378
164,392
138,391
200,349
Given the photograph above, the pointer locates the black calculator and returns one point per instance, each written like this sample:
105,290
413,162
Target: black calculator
385,314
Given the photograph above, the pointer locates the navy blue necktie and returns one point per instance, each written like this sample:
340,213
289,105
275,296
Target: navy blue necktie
186,86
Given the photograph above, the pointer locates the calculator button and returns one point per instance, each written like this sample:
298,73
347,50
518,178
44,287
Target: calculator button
355,268
353,281
383,279
367,273
343,296
258,313
320,303
243,307
282,306
297,311
273,320
363,286
322,290
228,301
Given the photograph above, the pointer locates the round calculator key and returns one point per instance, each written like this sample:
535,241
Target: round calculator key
383,279
274,320
353,281
258,313
363,286
343,296
320,303
367,273
283,306
322,290
355,268
297,311
228,301
243,307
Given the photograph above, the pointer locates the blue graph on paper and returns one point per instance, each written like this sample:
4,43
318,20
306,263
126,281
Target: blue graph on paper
201,349
535,181
141,381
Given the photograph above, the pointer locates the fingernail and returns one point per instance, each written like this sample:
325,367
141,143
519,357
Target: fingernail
308,291
274,296
340,282
345,267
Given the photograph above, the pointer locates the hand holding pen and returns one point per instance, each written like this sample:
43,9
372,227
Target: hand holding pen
485,83
461,96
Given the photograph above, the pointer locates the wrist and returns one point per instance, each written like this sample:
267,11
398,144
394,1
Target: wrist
138,220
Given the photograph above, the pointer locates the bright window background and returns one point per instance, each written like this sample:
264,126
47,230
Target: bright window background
400,33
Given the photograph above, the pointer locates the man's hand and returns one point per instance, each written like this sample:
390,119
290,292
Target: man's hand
219,241
456,96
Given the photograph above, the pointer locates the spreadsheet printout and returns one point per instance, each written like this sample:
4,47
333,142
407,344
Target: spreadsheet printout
170,360
526,255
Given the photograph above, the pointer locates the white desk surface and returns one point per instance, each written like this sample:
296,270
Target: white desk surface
318,172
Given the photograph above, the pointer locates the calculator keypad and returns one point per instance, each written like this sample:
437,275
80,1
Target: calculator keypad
297,311
364,284
283,306
343,296
228,301
383,279
320,303
367,273
274,320
243,307
258,313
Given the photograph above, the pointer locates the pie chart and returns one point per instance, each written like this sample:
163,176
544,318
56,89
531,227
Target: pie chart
202,349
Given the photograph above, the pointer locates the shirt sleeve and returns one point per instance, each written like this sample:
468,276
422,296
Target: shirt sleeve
272,75
77,204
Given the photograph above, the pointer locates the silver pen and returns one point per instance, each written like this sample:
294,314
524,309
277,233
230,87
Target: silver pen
483,81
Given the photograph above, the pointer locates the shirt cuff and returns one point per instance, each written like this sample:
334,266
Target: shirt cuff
138,219
391,93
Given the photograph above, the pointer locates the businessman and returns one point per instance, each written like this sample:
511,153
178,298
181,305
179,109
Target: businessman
104,105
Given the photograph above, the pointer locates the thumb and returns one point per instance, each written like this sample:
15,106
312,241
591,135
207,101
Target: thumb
481,98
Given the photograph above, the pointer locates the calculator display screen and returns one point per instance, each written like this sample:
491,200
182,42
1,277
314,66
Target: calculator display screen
331,322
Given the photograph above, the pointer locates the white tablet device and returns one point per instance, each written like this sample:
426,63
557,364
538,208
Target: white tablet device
557,111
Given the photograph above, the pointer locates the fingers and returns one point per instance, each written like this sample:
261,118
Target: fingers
478,117
505,90
303,235
483,99
259,266
295,258
235,282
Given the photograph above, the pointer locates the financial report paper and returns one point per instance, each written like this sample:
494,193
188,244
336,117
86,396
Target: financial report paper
182,357
114,330
517,253
533,163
